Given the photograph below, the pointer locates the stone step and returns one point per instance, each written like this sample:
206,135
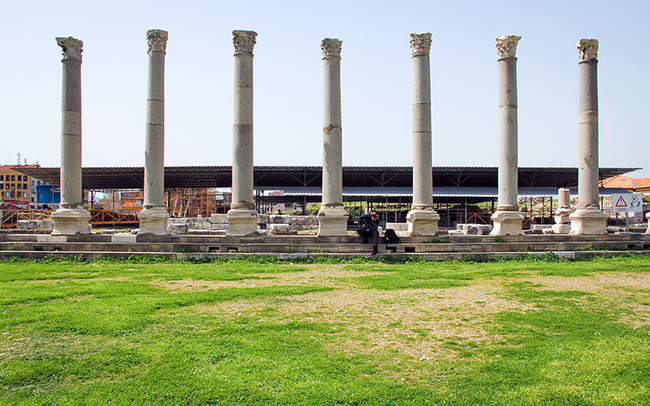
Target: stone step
430,256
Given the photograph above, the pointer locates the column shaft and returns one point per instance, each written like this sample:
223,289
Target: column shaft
332,133
71,218
422,154
332,217
422,219
508,136
242,217
71,189
507,219
153,219
242,168
154,162
588,136
588,218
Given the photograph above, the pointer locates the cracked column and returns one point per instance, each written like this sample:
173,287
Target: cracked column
588,218
71,218
422,219
153,218
507,219
332,217
242,217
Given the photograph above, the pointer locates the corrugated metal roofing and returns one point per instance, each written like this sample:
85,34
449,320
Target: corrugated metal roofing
483,192
310,176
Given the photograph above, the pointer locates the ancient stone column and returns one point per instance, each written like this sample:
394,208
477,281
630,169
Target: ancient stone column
507,219
562,223
71,218
153,218
242,217
588,218
332,217
422,219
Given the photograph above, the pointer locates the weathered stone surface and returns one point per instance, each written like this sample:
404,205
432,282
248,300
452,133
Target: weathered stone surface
474,229
219,219
304,220
279,229
279,219
177,229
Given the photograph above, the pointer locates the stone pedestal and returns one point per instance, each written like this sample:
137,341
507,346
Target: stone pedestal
332,217
507,223
507,219
153,219
422,219
586,219
71,218
69,221
332,221
242,217
242,222
422,222
562,222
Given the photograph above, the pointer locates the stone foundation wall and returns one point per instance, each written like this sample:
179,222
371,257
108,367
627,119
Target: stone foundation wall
264,221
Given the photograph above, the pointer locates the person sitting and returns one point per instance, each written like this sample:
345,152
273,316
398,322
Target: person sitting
368,227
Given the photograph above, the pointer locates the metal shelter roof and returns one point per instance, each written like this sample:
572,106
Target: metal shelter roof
444,191
284,177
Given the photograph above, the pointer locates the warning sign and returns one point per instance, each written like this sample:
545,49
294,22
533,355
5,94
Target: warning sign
629,202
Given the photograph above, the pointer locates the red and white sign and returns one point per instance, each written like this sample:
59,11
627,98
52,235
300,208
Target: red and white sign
628,202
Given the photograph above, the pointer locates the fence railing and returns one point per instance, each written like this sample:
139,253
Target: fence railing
10,217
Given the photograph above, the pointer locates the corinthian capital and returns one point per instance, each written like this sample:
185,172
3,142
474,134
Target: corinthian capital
331,48
507,45
157,41
420,43
588,49
244,41
71,47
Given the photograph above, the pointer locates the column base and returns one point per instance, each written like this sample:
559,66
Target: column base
242,222
153,221
588,221
562,222
423,222
647,231
332,222
507,223
70,221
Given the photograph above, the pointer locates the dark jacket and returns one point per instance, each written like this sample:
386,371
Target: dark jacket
366,223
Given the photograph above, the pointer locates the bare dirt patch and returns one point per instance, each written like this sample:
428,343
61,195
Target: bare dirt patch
421,324
327,276
629,292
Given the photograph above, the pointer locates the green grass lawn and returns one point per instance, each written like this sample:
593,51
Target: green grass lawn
352,333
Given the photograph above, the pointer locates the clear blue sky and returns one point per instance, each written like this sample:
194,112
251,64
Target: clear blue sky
376,79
